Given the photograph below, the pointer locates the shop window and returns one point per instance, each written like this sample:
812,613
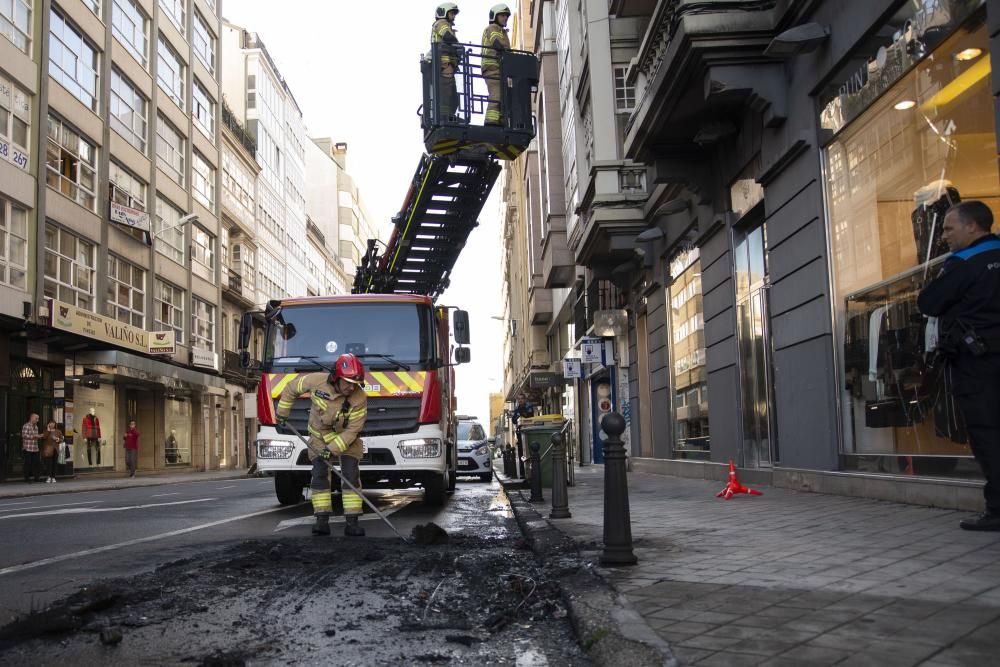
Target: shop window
15,23
131,27
168,230
69,268
15,121
72,60
687,324
71,163
169,308
177,426
126,292
927,143
99,450
13,245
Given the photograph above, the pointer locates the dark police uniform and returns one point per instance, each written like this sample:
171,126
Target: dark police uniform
966,298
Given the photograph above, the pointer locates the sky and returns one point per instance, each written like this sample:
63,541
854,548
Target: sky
353,67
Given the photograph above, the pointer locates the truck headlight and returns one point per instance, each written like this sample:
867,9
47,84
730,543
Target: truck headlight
274,449
422,448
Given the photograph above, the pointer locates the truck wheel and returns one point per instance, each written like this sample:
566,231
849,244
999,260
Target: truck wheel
452,481
434,491
287,488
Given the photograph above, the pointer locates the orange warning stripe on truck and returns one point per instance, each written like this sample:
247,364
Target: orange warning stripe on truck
377,383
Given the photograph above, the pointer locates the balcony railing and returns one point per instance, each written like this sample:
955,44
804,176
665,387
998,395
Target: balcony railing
246,139
235,282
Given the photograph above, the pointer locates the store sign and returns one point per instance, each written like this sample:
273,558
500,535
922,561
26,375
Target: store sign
82,322
204,358
591,352
544,380
38,350
130,217
572,369
11,154
14,98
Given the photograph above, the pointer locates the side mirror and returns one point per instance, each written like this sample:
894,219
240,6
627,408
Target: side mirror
460,322
246,325
463,355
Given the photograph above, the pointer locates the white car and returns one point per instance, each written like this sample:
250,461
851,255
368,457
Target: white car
474,451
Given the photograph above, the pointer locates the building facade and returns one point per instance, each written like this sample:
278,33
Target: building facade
779,201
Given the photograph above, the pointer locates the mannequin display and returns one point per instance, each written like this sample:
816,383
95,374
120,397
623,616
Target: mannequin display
170,447
932,202
92,434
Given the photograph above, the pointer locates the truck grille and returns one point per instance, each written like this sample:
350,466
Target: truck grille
386,416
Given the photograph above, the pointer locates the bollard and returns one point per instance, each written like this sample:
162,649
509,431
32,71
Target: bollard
617,523
520,454
560,497
509,467
536,473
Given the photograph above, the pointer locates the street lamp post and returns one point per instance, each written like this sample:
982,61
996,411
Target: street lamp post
190,217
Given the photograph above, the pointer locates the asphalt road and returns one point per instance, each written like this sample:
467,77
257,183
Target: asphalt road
55,544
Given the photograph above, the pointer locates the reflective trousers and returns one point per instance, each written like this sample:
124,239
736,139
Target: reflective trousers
492,77
448,104
322,500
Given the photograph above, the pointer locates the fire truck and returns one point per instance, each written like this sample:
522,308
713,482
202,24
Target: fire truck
408,343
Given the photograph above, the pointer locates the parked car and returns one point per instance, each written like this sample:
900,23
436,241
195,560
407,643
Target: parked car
474,450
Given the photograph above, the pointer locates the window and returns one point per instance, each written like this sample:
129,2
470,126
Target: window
237,187
126,189
13,245
70,163
170,72
174,9
72,60
131,26
94,6
15,117
203,253
224,247
168,231
203,42
168,306
203,110
170,149
69,268
128,111
203,180
203,324
126,292
15,22
687,321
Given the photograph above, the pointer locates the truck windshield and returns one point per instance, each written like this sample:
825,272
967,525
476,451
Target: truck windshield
400,332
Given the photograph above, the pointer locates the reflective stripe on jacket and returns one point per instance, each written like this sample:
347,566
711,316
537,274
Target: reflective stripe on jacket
494,36
334,420
444,31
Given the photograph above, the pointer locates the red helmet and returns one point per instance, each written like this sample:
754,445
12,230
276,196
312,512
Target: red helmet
350,368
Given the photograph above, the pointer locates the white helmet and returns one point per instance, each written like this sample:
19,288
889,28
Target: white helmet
495,10
442,10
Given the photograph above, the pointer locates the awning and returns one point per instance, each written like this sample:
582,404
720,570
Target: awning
135,367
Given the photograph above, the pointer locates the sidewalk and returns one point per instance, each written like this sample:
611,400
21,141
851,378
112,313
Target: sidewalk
798,579
19,489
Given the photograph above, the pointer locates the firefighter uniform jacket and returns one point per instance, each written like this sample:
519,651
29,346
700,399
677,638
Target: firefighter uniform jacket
443,31
494,38
335,421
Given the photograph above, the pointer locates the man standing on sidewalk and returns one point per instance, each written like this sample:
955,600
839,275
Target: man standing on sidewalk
29,448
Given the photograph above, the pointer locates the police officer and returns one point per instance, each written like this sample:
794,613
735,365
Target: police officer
443,32
338,413
495,39
966,298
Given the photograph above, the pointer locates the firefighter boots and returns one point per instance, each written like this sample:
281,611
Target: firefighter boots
352,528
322,526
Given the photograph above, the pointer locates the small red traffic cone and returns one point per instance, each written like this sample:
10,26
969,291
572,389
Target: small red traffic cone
733,486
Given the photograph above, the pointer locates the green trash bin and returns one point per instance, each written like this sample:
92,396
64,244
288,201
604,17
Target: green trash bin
540,430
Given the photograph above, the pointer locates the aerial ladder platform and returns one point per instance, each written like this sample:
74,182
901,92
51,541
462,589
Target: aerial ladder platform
455,176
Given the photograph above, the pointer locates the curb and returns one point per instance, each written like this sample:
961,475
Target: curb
115,484
609,629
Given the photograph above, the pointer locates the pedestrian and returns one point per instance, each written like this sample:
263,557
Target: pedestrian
131,439
29,448
495,40
965,297
443,32
338,413
51,442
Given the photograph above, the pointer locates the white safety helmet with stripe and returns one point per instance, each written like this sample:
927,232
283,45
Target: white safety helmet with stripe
442,10
496,10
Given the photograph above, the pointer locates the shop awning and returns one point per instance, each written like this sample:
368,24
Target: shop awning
135,367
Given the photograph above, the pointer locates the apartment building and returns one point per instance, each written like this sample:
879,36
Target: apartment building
111,213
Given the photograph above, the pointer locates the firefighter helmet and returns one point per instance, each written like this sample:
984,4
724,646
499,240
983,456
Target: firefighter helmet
496,10
349,368
442,10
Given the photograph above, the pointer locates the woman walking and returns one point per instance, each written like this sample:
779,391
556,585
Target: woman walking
131,448
51,442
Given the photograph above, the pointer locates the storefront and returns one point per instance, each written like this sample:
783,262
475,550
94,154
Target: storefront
913,133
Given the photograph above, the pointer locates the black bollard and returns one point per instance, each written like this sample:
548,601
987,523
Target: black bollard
560,497
519,460
617,523
536,473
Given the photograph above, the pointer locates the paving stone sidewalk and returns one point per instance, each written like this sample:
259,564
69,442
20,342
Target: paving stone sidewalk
19,489
799,579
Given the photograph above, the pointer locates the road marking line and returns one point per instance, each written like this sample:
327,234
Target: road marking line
231,486
129,543
26,502
45,507
160,495
84,510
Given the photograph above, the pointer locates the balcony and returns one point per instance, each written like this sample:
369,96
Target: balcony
232,370
233,125
540,305
613,213
233,287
